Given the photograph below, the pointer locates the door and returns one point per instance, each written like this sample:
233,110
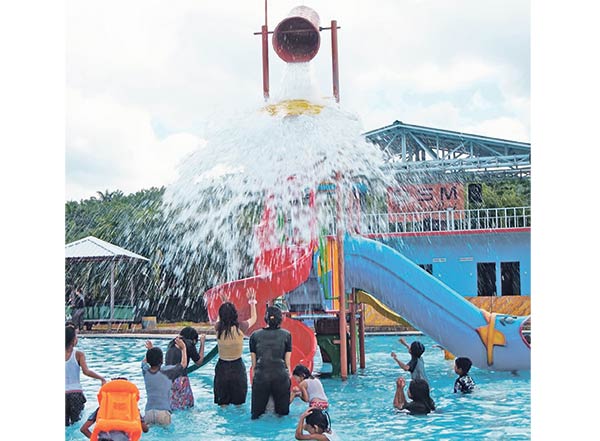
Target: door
511,278
486,279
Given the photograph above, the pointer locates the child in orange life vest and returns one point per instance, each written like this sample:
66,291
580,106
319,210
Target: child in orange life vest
112,435
309,388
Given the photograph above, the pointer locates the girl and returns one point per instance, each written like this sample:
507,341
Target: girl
231,382
74,364
317,425
181,391
309,388
271,351
416,365
418,391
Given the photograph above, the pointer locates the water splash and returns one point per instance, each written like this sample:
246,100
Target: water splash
265,153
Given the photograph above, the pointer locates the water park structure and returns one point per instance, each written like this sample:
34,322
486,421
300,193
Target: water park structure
432,245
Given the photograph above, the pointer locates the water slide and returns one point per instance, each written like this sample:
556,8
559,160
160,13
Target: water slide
491,341
364,297
292,273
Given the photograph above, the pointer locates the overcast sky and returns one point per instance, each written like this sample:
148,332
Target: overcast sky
144,77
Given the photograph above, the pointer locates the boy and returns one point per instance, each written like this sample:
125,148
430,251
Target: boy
463,383
158,380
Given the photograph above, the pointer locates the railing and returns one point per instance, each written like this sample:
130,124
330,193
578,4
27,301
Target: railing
448,220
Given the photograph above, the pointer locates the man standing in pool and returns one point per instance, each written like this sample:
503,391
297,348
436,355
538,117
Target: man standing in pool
271,351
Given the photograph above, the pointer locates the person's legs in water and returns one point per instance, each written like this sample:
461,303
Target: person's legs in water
260,395
280,389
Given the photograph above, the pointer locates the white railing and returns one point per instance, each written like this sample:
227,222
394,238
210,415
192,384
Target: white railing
448,220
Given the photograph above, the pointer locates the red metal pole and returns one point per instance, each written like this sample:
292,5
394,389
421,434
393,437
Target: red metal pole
353,333
361,336
334,59
342,292
265,58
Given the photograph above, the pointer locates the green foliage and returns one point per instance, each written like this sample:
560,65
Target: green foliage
508,193
134,222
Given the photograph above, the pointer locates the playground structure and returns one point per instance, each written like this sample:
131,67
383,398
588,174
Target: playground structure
327,279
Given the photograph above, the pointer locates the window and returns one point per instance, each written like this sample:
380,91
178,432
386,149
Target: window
427,267
511,278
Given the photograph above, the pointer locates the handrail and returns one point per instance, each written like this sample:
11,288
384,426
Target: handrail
445,220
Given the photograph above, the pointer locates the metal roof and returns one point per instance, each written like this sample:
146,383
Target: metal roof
417,149
92,248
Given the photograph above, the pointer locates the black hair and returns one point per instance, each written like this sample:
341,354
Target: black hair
464,364
228,317
419,392
70,334
273,317
302,371
119,378
319,418
189,333
154,356
416,349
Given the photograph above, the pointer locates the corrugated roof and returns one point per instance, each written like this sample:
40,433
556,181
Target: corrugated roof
92,248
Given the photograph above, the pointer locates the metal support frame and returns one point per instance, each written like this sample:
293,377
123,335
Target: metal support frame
411,148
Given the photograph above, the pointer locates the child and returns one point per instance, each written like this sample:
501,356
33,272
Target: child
113,435
309,388
416,365
158,380
74,364
418,391
317,425
182,396
463,383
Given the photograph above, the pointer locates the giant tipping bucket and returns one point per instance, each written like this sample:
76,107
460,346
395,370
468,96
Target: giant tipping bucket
296,38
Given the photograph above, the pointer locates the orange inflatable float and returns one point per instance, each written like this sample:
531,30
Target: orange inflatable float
118,410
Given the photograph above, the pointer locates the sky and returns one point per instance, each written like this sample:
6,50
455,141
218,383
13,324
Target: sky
144,78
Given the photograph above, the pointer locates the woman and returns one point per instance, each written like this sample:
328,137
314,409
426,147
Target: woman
231,382
181,391
271,351
74,364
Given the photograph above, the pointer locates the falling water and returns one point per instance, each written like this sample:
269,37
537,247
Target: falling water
260,154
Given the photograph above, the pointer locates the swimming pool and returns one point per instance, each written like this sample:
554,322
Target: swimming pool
360,408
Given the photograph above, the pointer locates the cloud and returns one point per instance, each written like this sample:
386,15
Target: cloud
180,66
111,145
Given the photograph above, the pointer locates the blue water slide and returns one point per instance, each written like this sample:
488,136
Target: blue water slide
491,341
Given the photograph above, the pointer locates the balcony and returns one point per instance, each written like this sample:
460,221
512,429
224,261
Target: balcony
446,221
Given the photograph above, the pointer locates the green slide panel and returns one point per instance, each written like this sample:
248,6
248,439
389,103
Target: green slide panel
207,357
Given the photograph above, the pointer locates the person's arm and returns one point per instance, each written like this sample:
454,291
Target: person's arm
400,363
288,361
201,352
85,428
300,428
145,427
303,391
399,398
180,343
252,348
80,356
295,392
148,345
251,294
403,341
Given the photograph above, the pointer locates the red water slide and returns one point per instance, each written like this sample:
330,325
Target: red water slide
293,270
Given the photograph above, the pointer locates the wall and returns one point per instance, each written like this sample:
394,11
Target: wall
454,256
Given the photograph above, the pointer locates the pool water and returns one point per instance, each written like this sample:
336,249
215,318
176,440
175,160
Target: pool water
360,408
